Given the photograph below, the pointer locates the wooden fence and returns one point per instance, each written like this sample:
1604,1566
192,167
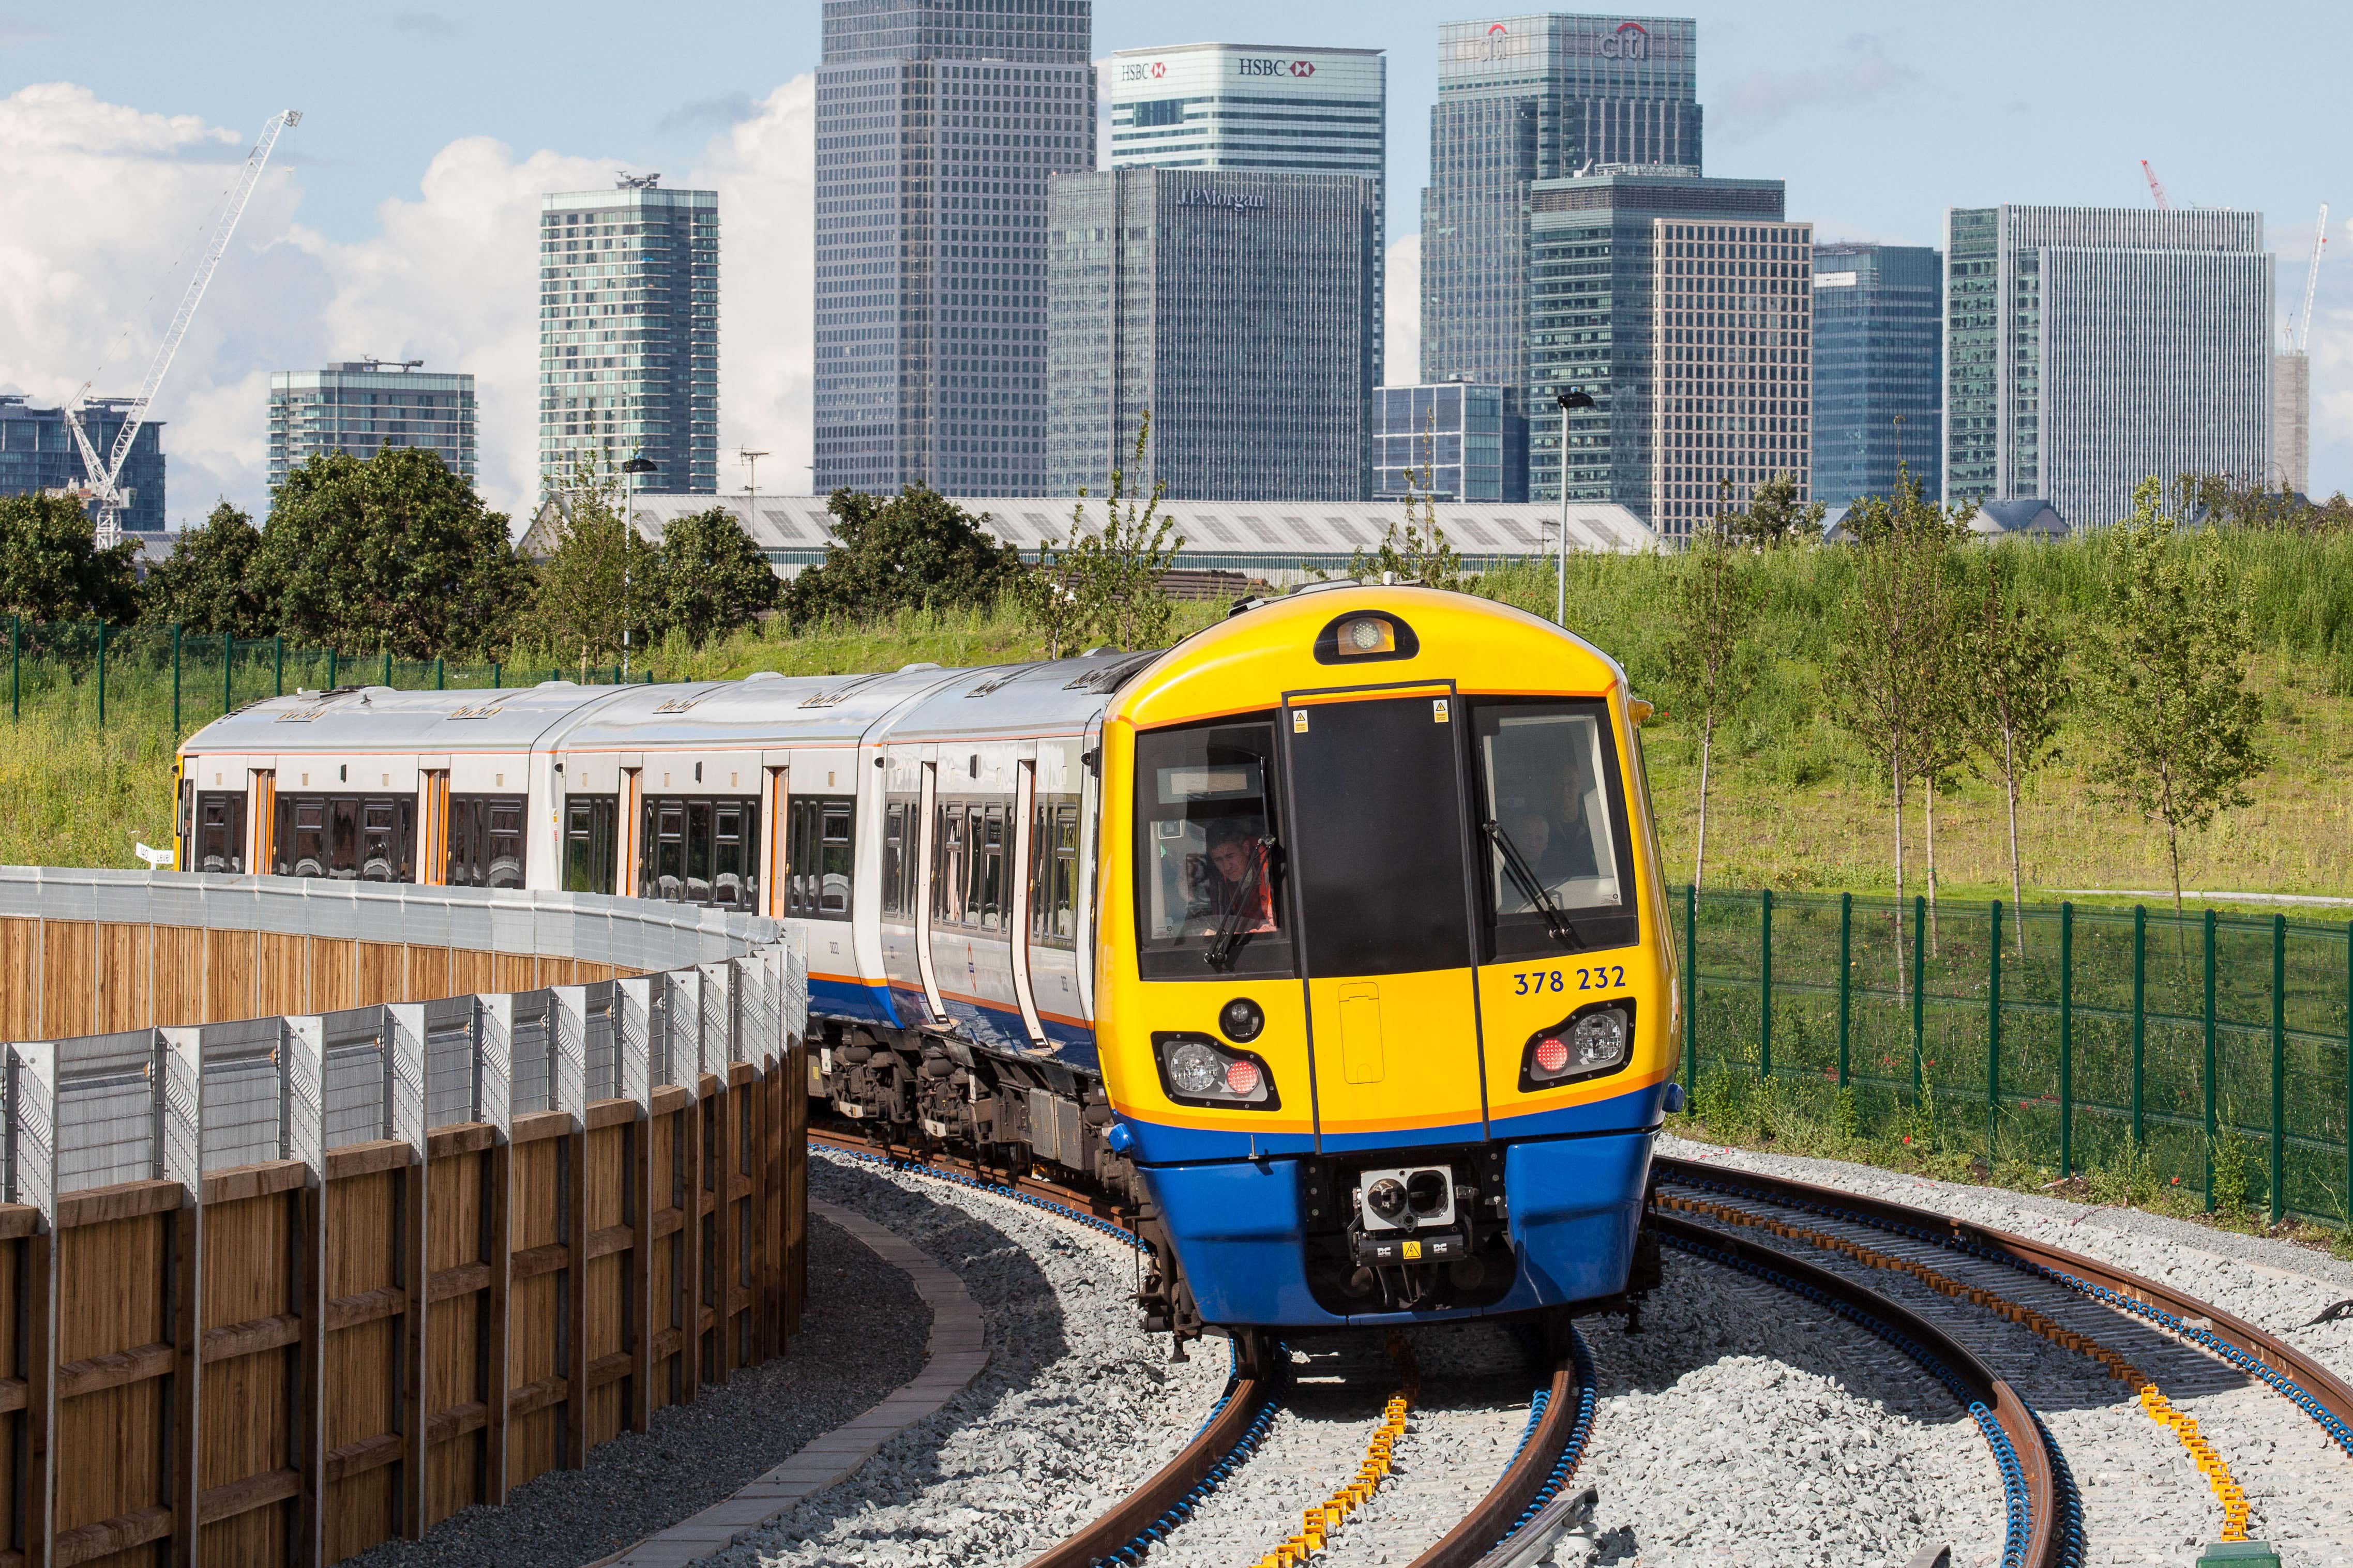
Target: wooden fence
273,1289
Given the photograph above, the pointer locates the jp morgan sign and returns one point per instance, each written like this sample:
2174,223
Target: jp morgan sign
1196,196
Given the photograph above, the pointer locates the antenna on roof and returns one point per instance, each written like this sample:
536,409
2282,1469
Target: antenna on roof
626,181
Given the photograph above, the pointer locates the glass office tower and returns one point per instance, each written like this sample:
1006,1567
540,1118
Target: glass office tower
1522,98
363,406
1237,308
1878,369
938,130
1247,106
628,333
2087,348
1448,442
1680,305
37,452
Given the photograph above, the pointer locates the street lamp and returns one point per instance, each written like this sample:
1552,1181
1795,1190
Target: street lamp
639,464
1571,400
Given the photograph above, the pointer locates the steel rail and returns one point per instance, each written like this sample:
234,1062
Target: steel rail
2323,1396
2042,1538
1480,1533
1123,1531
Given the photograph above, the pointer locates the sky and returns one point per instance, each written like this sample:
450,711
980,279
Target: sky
397,220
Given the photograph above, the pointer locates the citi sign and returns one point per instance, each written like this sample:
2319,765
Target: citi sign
1258,66
1631,41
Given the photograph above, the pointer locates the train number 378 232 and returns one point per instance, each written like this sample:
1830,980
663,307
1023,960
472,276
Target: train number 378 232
1603,977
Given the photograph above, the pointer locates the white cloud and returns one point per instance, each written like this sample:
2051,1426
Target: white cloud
1862,73
1401,312
103,209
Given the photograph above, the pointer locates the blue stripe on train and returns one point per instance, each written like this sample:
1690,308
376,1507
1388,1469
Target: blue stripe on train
1159,1144
852,1003
1002,1027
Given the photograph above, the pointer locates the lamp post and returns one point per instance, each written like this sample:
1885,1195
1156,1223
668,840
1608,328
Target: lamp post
1574,398
638,464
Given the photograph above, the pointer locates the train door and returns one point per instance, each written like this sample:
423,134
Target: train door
1380,876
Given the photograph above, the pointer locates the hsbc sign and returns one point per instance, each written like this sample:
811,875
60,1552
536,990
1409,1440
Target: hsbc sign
1261,65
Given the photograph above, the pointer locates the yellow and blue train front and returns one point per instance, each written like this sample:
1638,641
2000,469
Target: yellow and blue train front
1385,1010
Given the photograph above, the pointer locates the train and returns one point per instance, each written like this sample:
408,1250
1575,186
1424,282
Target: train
1333,939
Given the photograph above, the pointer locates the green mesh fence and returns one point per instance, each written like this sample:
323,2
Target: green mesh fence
164,677
2213,1048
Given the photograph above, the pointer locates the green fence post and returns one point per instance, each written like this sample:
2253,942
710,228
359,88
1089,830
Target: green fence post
1691,999
2066,1040
2140,1011
1765,974
440,675
175,683
387,667
2209,923
277,665
1993,1033
16,667
101,673
330,669
1919,991
494,675
1846,977
229,672
2279,1067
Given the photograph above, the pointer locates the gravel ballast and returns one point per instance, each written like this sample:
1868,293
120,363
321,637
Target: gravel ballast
2143,1499
1077,1406
862,1333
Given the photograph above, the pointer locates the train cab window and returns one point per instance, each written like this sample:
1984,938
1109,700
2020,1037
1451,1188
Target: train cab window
1208,890
486,844
1558,867
589,847
700,850
347,837
820,847
1054,874
218,841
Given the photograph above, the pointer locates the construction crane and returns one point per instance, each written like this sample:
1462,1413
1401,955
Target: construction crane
2156,187
101,487
2300,329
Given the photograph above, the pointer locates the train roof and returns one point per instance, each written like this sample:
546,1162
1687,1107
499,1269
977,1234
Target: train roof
383,719
1058,698
763,707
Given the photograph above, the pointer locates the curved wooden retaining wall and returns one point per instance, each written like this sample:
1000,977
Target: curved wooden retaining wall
503,1174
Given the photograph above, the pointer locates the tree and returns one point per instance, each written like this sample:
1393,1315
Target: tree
396,552
710,578
595,581
1776,516
1894,650
912,550
2181,730
1055,594
2016,681
208,585
52,568
1711,613
1119,566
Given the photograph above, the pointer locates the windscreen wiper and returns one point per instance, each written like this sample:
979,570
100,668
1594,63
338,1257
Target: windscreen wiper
1231,927
1524,876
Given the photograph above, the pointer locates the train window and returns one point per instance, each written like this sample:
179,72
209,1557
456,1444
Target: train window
985,905
702,850
218,843
948,865
589,850
820,850
347,837
898,824
1054,874
486,845
1549,781
1208,873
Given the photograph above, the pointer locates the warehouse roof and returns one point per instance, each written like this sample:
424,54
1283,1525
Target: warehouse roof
794,531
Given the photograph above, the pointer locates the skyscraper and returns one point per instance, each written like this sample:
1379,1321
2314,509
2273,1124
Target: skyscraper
628,333
2089,348
1520,99
1237,308
37,452
1246,106
1878,358
2292,421
937,131
361,406
1680,306
1449,442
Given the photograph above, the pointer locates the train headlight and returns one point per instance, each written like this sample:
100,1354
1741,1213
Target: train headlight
1195,1069
1594,1041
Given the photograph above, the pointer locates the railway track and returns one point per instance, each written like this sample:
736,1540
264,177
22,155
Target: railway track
2067,1324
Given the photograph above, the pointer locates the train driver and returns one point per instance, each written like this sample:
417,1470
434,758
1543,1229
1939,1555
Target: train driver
1237,881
